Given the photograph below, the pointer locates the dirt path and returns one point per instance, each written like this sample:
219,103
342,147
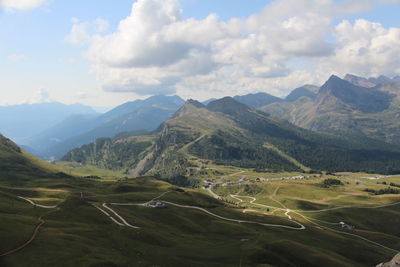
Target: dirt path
35,231
34,234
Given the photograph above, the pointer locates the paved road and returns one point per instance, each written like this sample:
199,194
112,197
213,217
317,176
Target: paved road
312,221
119,217
37,205
301,226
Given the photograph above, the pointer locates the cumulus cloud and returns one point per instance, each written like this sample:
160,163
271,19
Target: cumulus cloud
154,50
365,48
22,4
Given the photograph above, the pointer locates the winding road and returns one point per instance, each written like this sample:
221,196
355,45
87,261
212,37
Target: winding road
37,205
312,221
300,226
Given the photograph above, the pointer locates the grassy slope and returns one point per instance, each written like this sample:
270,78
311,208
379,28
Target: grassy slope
78,234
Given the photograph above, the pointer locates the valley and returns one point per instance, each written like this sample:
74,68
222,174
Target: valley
271,221
222,184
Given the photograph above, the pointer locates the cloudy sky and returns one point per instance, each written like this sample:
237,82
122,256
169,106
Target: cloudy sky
106,52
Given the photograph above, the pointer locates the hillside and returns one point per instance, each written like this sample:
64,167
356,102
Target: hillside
346,109
304,91
17,165
113,154
226,132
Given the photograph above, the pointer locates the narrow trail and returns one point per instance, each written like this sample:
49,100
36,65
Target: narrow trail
34,234
236,173
35,231
212,193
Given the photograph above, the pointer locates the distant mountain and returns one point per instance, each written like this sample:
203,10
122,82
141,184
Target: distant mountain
227,132
208,101
310,91
360,81
20,122
257,100
344,108
64,130
145,114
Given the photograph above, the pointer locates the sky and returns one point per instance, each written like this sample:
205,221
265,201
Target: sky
106,52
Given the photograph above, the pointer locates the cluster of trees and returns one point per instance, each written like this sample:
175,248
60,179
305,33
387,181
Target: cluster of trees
391,184
329,182
384,191
336,157
108,154
226,149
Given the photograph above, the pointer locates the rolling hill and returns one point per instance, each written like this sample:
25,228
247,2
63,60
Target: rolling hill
18,166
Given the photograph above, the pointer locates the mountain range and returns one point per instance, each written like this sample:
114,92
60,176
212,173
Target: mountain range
353,107
81,129
227,132
350,107
60,131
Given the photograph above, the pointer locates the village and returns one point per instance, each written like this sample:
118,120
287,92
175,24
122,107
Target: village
210,183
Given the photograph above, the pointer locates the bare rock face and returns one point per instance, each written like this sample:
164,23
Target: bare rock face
395,262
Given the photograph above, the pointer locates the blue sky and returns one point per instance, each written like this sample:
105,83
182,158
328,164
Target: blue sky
38,63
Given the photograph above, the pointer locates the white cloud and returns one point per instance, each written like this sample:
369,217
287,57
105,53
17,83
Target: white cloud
40,96
155,51
79,32
16,58
101,25
365,48
82,32
22,4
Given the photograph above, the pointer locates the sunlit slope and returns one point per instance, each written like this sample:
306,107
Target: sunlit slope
18,164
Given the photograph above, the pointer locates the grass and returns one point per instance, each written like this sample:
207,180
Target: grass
78,234
77,169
